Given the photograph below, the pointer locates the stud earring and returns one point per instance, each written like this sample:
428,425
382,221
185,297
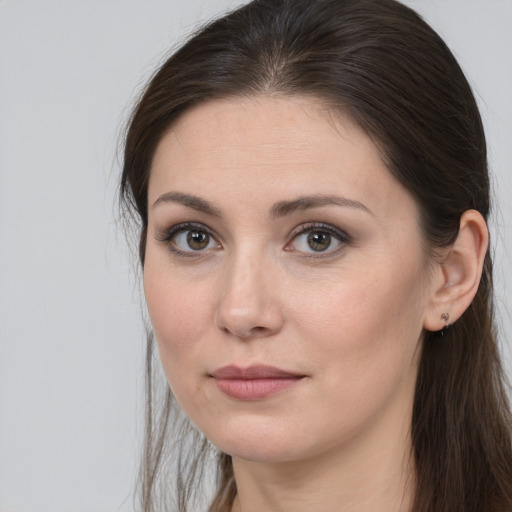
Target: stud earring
445,317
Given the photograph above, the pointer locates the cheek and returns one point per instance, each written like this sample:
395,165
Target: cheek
367,326
365,335
364,299
178,321
179,315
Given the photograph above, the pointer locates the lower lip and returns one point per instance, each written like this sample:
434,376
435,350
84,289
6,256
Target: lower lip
255,389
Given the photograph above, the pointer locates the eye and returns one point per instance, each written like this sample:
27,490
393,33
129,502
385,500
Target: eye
318,238
195,240
189,239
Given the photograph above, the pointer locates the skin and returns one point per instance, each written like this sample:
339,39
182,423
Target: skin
348,318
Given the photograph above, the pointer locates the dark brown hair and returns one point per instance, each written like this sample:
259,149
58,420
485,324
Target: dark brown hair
378,62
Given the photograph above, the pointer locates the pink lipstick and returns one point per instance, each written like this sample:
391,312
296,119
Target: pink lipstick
255,382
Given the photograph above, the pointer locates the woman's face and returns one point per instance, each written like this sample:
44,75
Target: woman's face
285,279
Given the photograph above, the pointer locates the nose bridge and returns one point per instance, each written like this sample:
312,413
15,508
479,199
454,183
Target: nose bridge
248,305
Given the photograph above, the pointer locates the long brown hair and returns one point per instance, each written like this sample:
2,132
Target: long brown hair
378,62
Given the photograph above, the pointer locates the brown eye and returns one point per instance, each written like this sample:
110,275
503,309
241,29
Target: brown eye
319,240
197,240
186,239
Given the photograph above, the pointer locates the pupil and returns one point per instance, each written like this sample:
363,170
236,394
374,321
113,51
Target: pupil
197,240
319,240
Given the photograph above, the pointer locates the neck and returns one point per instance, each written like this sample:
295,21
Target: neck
372,473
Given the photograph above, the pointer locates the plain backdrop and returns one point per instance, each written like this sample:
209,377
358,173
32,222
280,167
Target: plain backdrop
71,351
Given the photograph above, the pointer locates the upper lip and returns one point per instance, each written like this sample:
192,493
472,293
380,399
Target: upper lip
253,372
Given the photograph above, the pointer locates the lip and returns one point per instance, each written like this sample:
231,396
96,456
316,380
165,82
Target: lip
255,382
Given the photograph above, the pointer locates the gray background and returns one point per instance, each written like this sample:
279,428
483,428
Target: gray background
71,346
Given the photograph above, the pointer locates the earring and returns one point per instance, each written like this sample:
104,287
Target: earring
445,317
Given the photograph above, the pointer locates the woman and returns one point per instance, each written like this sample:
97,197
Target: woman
312,187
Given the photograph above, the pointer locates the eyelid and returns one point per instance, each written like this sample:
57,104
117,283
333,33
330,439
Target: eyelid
338,234
166,236
310,226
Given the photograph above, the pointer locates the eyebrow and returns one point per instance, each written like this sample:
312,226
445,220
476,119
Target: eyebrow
284,208
278,210
190,201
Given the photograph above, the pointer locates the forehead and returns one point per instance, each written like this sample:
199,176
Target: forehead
272,145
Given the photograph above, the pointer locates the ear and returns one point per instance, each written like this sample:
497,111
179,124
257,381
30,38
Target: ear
457,274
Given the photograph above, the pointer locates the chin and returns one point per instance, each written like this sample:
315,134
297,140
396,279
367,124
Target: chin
263,442
268,452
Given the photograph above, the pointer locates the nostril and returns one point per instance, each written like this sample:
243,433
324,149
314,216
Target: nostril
253,332
259,331
243,328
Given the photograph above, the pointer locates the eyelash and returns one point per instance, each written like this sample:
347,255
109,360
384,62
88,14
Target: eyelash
342,237
168,235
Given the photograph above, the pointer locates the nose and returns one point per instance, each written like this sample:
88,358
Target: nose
248,305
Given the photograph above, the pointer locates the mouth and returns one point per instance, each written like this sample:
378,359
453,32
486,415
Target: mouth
255,382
